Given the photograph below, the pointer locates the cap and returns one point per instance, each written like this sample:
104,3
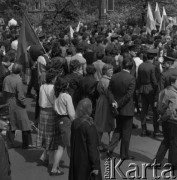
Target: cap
168,58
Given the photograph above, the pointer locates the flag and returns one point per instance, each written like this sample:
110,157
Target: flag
164,21
150,24
71,32
27,38
78,27
157,15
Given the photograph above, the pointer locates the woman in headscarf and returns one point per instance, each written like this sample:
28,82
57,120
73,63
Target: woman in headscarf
85,158
14,95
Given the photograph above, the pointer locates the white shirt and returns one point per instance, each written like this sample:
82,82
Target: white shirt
46,96
137,61
64,105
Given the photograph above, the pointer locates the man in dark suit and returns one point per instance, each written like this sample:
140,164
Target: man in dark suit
147,85
122,86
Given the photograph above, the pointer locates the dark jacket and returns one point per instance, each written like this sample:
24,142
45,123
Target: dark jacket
147,82
84,149
122,86
4,161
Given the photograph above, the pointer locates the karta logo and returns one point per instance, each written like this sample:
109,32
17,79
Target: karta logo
135,171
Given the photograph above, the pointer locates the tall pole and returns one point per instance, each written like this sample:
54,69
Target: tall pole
102,12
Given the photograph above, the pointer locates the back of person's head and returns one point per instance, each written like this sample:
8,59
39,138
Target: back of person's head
79,48
56,50
57,64
47,46
100,54
62,42
84,108
16,68
90,69
50,76
69,51
173,79
61,85
127,63
106,67
74,65
92,40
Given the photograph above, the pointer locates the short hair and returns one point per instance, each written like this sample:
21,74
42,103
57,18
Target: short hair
50,75
79,48
74,65
90,69
127,63
47,46
16,68
56,50
84,108
106,67
69,51
62,42
100,54
173,79
61,85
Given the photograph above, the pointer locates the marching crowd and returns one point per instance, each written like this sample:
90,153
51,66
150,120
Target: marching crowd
87,85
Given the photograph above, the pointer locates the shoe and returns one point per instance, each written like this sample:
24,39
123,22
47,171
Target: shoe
102,149
109,153
43,163
145,133
157,133
128,158
58,173
135,126
30,96
31,146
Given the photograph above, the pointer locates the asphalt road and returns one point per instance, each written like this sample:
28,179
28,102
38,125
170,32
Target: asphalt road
24,162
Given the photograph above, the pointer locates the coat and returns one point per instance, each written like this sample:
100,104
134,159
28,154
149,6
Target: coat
4,161
104,120
122,87
84,150
14,95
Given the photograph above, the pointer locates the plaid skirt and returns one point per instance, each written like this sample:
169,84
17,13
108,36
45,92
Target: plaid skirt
48,131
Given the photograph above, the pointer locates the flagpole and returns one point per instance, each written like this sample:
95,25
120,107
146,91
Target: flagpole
24,13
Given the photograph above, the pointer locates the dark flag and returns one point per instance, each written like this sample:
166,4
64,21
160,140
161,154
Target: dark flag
27,38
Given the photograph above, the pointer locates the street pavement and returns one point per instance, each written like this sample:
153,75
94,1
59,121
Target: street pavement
24,163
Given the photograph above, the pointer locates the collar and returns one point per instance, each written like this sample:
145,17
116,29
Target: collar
79,54
106,77
126,70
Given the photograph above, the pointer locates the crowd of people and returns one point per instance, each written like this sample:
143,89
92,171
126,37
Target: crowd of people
90,84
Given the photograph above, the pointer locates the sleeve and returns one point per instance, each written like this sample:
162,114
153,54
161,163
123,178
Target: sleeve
70,107
109,92
20,94
92,144
153,79
161,84
4,162
128,94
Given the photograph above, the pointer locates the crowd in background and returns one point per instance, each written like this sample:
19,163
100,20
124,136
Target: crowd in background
92,84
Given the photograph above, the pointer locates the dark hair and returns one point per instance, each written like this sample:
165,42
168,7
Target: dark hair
84,108
62,42
74,65
69,51
61,85
47,46
50,75
92,40
106,67
16,68
56,50
79,48
90,69
173,79
100,54
58,65
127,63
156,43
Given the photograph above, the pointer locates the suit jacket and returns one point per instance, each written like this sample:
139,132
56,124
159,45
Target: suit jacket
147,82
122,86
